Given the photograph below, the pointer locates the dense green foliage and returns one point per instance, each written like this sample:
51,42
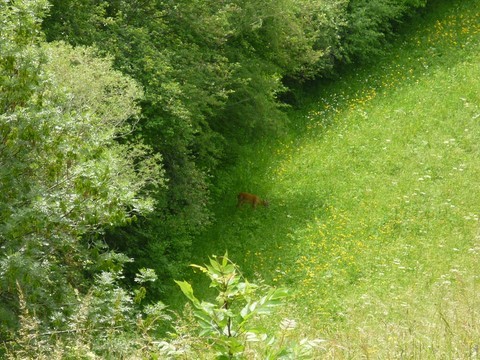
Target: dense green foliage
213,73
64,176
121,121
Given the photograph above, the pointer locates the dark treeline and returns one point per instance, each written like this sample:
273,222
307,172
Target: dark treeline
116,115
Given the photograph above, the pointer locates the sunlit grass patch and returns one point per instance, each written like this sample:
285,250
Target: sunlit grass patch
400,163
375,202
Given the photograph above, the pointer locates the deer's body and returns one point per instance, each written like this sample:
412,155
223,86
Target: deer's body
244,197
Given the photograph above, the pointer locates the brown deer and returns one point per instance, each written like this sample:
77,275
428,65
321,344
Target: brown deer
244,197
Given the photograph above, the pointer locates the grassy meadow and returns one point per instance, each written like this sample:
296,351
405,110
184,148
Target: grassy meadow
374,201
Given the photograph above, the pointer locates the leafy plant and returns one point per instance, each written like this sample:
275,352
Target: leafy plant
230,324
107,322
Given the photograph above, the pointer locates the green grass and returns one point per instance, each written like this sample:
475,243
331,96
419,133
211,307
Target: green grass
375,201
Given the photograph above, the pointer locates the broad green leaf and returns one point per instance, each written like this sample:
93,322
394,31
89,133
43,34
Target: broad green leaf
187,291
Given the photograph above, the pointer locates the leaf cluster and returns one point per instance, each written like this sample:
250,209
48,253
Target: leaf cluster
107,322
230,325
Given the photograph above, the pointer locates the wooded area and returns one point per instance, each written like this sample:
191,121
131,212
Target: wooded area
116,116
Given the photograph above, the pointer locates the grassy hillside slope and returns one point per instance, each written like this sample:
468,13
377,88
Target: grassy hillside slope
375,201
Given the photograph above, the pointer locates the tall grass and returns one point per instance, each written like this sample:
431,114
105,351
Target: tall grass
375,201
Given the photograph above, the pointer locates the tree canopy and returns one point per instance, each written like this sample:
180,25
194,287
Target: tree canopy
67,172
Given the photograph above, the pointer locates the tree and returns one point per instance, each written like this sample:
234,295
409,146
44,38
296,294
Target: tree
368,23
64,174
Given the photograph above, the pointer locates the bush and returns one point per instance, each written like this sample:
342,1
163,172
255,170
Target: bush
63,175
